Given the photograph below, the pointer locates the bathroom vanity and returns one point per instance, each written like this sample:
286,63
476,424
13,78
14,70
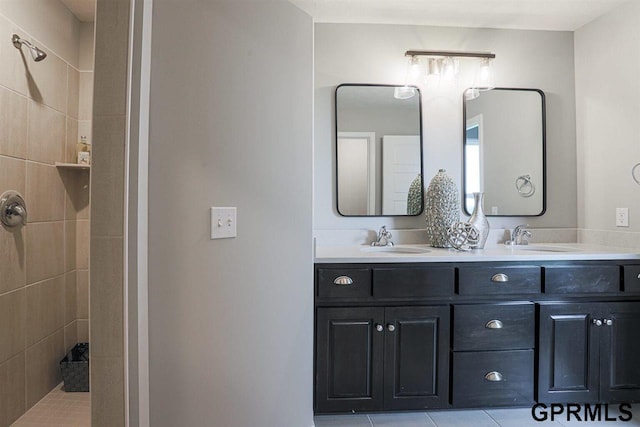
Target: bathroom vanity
494,328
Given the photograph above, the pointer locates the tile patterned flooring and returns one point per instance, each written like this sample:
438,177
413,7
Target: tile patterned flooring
518,417
59,409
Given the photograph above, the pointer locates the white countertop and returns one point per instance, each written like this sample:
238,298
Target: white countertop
534,252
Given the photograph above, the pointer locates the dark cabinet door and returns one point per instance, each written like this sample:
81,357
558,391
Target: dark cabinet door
349,348
416,371
620,353
568,353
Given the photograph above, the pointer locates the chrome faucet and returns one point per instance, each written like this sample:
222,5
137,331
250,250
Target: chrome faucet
383,237
520,235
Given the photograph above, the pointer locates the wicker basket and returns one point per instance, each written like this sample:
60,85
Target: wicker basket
75,368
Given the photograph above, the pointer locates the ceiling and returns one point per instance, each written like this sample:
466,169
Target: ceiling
556,15
84,10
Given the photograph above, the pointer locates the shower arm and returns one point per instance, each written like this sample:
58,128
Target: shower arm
18,42
36,53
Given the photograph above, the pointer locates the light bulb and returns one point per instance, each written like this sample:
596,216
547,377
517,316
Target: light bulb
485,78
404,92
414,66
434,67
471,93
449,68
412,75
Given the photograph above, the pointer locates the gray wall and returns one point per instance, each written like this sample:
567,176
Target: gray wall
608,116
371,53
231,321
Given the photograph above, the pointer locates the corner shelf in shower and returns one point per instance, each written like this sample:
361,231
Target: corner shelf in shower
72,166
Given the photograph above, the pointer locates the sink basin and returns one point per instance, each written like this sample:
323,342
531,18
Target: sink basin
543,248
395,250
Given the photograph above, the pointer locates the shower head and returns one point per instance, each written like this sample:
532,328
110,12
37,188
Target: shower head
37,54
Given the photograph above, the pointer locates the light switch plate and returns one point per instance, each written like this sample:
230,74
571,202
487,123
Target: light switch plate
223,223
622,217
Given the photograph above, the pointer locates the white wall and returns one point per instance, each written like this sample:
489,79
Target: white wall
607,54
361,53
231,321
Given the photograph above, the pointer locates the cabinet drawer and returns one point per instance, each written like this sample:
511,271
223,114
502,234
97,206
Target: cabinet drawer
413,282
344,283
581,279
493,378
499,280
631,278
494,327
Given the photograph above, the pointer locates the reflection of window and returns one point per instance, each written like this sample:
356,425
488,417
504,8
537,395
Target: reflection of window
472,159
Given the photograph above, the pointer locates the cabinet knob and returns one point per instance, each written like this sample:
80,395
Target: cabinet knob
500,278
608,322
494,324
493,376
379,327
638,276
391,327
597,322
343,280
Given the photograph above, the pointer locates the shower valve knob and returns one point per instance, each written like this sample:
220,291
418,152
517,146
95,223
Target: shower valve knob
13,211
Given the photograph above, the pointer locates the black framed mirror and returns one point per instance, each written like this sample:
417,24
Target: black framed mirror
379,169
504,151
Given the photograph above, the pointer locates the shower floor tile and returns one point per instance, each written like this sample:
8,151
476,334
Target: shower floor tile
59,409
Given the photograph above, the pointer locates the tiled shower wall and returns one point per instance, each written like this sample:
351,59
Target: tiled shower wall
107,214
44,266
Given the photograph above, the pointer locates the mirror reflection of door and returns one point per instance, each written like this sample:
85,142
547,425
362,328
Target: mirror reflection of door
400,166
357,166
473,161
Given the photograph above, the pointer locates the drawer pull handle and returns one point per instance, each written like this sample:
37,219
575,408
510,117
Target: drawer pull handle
500,278
494,324
493,376
343,280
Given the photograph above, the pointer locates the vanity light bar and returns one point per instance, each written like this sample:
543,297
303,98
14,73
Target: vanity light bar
445,53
